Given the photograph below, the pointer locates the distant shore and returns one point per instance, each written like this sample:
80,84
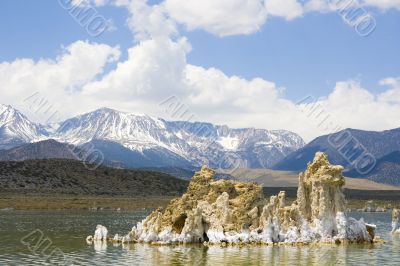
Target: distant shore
357,199
78,202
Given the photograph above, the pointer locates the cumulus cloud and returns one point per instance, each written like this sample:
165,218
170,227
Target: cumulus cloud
155,71
223,17
156,68
60,79
289,9
383,4
152,70
350,105
393,94
85,3
212,88
148,21
259,103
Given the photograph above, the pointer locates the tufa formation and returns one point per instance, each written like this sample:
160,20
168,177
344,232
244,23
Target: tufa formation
231,212
395,221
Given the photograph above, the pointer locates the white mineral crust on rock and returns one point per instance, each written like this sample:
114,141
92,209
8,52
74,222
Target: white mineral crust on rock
100,233
227,211
395,221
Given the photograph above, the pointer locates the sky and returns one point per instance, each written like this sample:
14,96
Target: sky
311,66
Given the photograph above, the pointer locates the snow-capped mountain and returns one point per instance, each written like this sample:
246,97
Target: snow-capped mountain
133,131
221,146
16,129
373,155
199,143
142,140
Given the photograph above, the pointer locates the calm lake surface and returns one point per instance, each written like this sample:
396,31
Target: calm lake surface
63,233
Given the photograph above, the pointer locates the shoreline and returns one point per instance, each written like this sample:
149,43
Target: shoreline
80,202
50,201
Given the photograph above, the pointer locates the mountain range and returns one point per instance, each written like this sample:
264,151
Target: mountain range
127,140
138,140
364,154
16,129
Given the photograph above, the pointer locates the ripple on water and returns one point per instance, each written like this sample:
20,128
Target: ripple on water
67,231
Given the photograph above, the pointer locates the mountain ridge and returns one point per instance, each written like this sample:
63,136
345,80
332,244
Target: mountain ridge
17,129
359,151
189,144
72,177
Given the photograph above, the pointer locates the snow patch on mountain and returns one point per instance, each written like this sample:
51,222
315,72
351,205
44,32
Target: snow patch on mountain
199,143
16,129
228,142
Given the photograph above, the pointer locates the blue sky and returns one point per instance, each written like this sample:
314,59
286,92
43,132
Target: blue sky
307,55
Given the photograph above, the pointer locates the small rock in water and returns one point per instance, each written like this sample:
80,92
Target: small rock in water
395,221
100,233
380,209
7,209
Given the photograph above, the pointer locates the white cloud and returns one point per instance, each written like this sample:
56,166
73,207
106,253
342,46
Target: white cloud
213,96
212,88
86,2
148,21
391,81
236,17
156,68
58,80
332,6
393,94
350,105
383,4
316,5
289,9
222,17
152,70
258,103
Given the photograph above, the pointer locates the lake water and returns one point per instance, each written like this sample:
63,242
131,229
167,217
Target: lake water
63,233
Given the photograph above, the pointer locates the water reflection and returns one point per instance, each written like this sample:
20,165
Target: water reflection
249,255
100,246
395,243
68,231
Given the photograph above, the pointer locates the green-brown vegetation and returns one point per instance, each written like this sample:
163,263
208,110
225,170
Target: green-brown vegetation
59,176
78,202
68,184
274,178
